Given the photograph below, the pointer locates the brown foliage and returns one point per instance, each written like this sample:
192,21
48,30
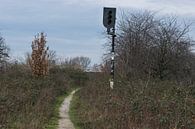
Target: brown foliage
39,57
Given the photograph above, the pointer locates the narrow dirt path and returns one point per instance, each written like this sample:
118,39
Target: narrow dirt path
64,121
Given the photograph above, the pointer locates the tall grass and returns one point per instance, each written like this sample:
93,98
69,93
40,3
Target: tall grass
27,102
135,105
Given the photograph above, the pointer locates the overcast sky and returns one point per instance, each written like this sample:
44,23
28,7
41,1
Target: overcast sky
73,27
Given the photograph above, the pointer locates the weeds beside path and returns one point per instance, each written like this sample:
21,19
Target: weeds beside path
64,121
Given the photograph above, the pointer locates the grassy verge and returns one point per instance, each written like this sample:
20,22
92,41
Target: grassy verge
73,111
53,122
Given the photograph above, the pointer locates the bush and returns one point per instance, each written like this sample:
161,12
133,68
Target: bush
135,105
27,102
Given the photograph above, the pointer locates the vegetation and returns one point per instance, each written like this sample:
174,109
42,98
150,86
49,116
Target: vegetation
38,61
73,112
32,102
53,122
151,46
81,62
29,102
154,83
4,54
134,105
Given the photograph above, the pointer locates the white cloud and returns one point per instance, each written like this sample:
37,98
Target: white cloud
72,25
167,6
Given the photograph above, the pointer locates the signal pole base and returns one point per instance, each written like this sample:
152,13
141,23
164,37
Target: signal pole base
111,84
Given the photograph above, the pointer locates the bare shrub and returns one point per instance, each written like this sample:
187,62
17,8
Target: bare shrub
77,62
151,46
4,54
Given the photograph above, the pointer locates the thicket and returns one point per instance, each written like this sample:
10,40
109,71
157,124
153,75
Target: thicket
27,102
154,83
28,91
134,104
150,46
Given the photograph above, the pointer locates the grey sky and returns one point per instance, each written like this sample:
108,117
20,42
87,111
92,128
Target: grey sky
73,27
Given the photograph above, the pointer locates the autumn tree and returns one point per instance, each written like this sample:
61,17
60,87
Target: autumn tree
39,57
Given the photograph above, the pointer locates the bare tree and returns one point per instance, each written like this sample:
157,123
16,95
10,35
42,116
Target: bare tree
52,57
4,54
77,62
172,49
148,45
82,61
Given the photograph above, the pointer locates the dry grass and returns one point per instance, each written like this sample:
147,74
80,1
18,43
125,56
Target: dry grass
135,105
27,102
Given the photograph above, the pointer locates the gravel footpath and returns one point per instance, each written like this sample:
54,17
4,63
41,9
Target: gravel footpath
64,121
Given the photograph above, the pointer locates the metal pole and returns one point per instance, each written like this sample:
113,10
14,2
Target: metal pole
112,59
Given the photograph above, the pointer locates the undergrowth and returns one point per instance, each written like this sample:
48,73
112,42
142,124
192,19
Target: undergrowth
53,122
135,104
27,102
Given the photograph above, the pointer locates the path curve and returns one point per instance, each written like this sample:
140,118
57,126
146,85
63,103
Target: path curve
64,121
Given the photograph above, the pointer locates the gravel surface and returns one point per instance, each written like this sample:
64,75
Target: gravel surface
64,121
